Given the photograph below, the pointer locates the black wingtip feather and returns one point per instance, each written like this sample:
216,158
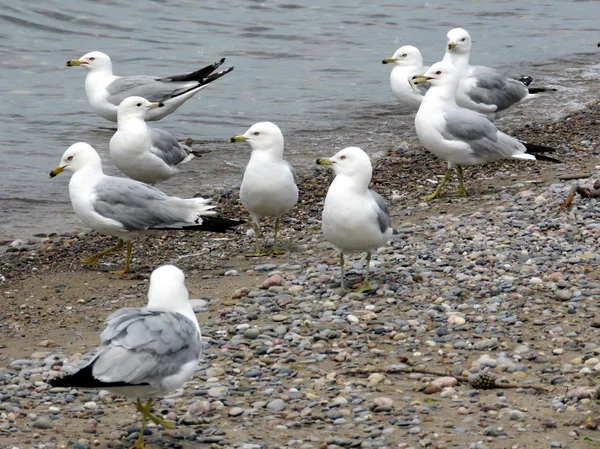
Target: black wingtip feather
527,80
207,80
539,150
537,90
209,224
198,75
84,379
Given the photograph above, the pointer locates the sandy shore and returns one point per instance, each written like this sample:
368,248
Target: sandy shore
522,275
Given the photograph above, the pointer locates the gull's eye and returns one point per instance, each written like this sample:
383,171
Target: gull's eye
342,158
70,158
139,104
463,39
256,133
439,72
92,59
404,55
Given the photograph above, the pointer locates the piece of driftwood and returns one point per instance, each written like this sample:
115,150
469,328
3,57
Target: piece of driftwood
585,192
490,381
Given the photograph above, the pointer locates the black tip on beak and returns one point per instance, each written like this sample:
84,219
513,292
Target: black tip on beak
161,105
231,140
384,62
69,64
52,174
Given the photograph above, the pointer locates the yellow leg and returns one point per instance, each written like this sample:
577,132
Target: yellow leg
139,443
92,260
343,284
127,260
366,285
155,419
461,190
259,252
274,250
440,187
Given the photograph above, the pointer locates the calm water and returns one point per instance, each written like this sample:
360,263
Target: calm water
312,69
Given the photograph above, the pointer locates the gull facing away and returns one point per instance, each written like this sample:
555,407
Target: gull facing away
408,62
462,136
481,88
146,352
269,185
106,91
145,154
125,208
355,218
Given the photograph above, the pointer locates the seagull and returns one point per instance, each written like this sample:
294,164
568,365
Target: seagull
125,208
462,136
408,62
146,352
105,91
145,154
269,185
355,218
481,88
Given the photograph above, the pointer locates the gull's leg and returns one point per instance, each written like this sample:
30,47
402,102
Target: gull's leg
274,249
258,252
342,269
127,260
440,187
145,410
155,419
461,190
92,260
366,285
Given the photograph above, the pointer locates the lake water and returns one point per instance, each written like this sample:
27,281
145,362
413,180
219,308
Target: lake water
313,68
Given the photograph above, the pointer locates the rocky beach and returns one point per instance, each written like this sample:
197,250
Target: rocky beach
504,283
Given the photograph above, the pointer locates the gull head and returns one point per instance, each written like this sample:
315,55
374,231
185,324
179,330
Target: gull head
459,41
405,56
167,289
136,107
77,156
351,162
440,73
262,136
95,60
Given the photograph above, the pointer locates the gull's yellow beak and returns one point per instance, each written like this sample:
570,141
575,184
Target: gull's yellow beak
157,105
75,63
323,161
388,61
420,79
239,138
451,45
58,170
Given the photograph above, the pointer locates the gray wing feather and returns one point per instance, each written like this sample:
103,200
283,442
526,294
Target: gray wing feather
166,147
292,169
137,206
383,212
494,89
479,133
144,346
150,88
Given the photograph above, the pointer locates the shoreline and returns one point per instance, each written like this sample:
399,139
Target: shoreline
501,282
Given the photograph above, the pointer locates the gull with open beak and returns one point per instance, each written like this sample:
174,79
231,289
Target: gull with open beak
461,136
106,91
355,218
127,209
269,184
143,153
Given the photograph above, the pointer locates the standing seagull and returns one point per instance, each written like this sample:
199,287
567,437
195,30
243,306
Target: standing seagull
408,62
269,184
126,208
106,91
145,154
146,352
355,218
481,88
462,136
